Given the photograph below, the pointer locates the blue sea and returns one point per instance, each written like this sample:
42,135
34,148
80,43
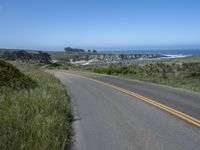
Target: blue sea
175,53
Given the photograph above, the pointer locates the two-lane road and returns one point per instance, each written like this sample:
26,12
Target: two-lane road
109,119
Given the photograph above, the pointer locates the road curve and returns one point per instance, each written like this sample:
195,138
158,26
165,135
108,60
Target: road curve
107,119
179,99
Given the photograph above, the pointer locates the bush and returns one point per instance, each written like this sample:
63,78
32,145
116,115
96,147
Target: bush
12,77
100,69
192,66
194,74
134,69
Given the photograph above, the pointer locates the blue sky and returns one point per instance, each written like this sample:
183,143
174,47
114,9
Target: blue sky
100,24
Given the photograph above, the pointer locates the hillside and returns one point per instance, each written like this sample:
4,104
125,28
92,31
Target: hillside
12,77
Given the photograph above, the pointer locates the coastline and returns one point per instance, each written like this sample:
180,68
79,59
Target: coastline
131,60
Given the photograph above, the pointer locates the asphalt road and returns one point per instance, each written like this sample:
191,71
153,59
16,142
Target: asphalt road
107,119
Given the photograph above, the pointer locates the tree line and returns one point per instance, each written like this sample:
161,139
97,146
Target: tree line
25,56
69,49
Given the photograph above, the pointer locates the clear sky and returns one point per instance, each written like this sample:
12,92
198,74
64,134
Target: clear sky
100,24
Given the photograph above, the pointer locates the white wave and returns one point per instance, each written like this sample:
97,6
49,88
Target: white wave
177,56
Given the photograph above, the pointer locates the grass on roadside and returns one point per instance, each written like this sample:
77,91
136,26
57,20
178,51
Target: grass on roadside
37,118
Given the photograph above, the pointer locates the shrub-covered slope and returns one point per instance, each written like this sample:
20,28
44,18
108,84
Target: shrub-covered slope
10,76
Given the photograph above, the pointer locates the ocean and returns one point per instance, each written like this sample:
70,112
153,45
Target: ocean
170,53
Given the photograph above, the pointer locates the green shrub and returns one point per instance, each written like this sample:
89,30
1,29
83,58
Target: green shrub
134,69
100,69
191,66
194,74
10,76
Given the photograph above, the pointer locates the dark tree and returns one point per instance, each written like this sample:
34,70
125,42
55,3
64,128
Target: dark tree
69,49
16,55
44,57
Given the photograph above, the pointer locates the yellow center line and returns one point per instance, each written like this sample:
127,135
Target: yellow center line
177,113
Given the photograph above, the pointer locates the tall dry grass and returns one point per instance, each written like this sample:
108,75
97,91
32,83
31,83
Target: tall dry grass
37,118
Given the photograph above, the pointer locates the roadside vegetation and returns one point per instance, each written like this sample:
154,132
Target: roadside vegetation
34,109
13,78
183,73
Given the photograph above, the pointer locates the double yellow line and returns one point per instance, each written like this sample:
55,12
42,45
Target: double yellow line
177,113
